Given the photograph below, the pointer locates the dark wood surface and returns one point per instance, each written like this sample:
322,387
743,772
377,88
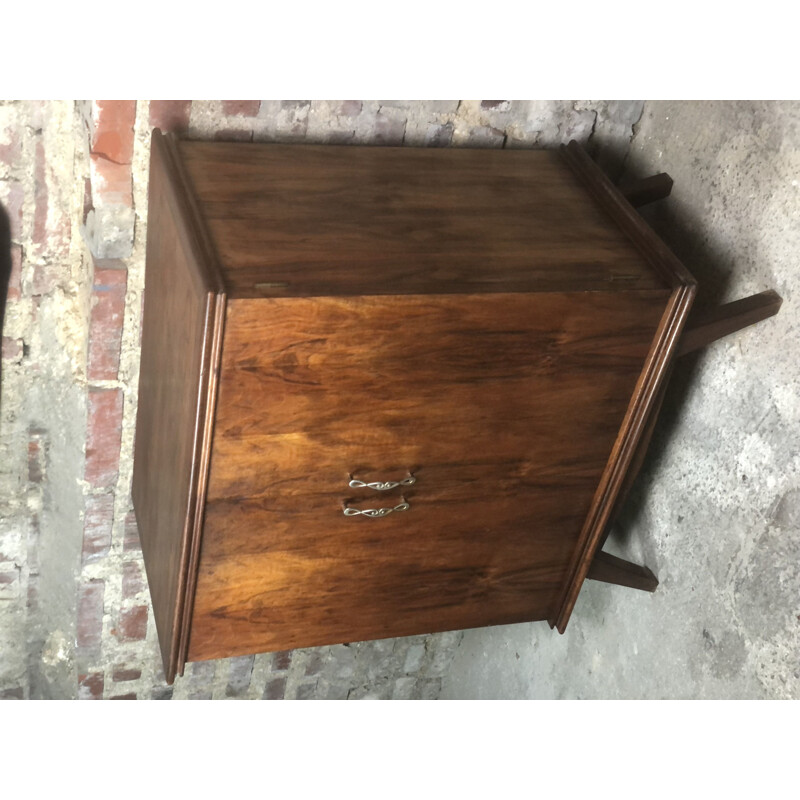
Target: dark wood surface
707,325
310,220
498,323
505,408
617,208
647,190
182,312
612,569
647,391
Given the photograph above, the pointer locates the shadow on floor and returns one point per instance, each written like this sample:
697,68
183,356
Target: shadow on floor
697,250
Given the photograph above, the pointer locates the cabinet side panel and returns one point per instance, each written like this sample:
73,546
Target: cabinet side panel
173,385
504,407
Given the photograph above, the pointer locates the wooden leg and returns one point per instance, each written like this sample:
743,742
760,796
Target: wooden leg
647,190
610,569
704,327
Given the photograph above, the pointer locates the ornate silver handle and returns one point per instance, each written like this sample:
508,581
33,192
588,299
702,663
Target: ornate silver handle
381,486
375,512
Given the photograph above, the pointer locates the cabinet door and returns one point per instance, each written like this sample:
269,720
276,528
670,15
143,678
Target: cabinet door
504,408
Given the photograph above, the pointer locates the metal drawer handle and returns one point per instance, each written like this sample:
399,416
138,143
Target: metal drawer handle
381,486
375,512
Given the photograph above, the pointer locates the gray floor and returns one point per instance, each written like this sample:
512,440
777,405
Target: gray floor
716,511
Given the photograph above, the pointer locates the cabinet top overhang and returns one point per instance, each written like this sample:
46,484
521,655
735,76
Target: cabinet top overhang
283,220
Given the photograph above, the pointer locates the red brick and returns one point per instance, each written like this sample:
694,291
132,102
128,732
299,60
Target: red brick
47,275
170,115
12,349
90,686
112,137
130,539
132,582
105,328
112,151
133,624
15,280
97,523
104,437
122,674
233,135
241,108
129,696
90,613
111,182
275,689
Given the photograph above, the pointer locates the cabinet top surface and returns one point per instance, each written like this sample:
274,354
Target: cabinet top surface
305,220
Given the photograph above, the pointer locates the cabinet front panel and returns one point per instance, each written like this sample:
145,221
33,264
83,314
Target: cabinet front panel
504,408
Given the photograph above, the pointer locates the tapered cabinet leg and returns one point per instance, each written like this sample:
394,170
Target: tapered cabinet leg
704,327
610,569
647,190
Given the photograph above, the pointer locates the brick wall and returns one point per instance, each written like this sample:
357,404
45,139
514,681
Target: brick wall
75,617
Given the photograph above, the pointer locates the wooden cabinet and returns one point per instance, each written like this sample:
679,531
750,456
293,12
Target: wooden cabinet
468,344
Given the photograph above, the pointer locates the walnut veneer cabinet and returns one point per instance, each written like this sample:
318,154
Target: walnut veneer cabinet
390,391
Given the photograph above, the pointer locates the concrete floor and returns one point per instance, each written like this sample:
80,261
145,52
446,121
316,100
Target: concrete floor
716,511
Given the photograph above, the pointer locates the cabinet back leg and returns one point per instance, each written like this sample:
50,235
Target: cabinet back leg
611,569
704,327
647,190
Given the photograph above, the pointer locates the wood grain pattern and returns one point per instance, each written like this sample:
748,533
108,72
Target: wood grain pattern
654,374
504,406
662,260
499,324
708,325
612,569
309,220
182,312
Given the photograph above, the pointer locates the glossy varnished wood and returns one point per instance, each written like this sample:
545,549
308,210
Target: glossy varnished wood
612,569
707,325
308,220
645,396
499,324
617,208
504,406
183,307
